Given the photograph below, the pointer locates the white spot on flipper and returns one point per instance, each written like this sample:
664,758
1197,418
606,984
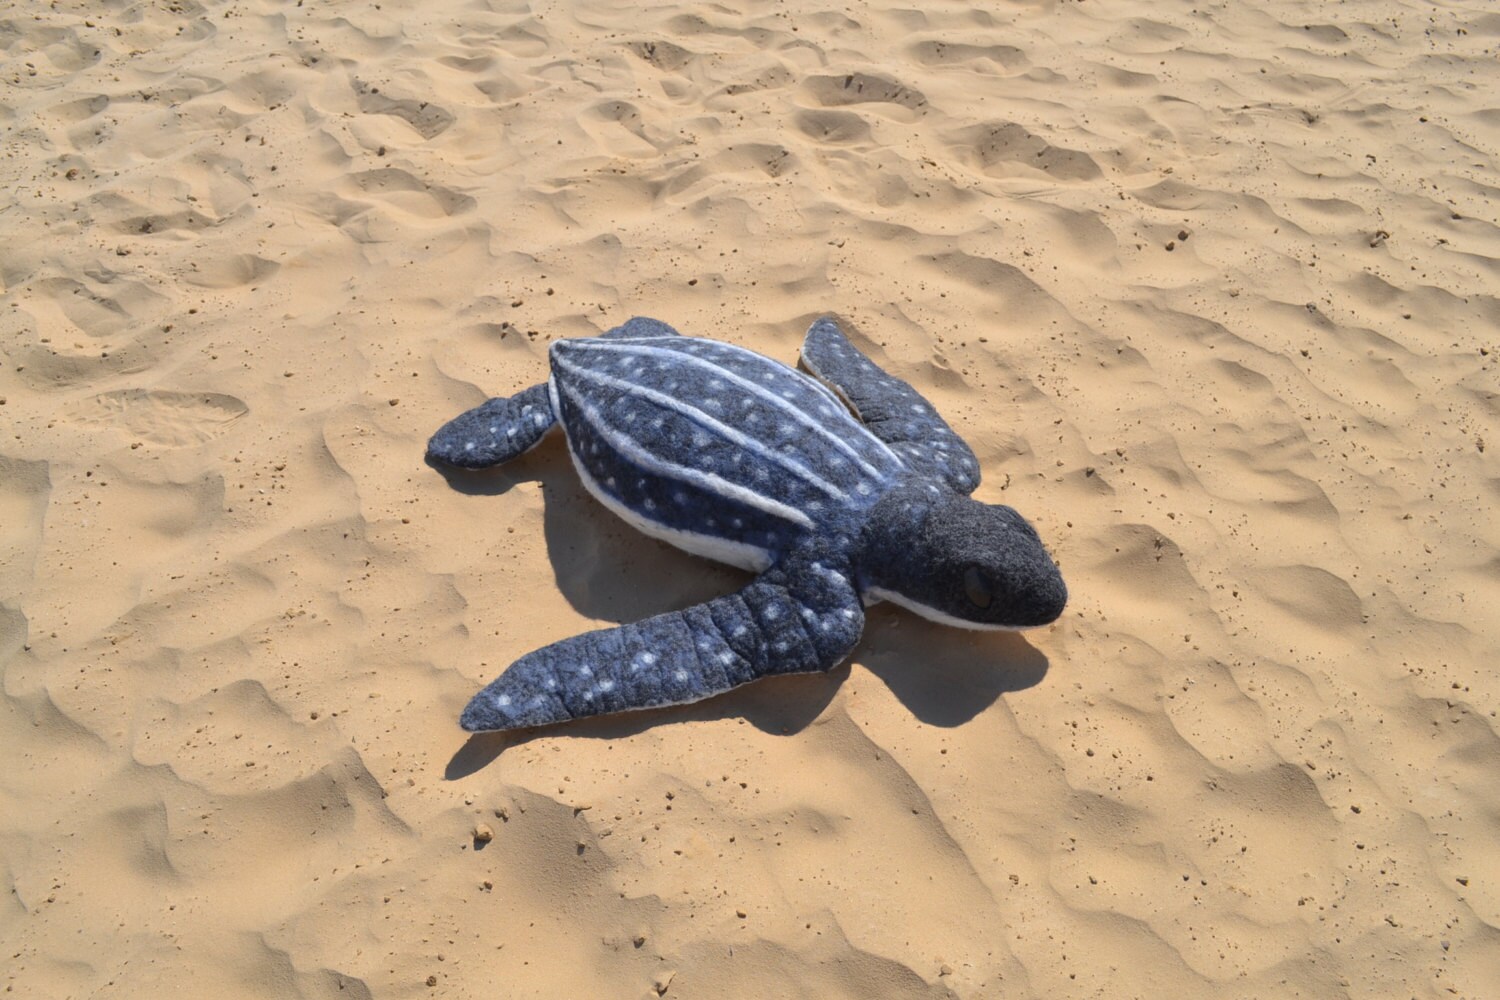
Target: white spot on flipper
468,446
680,674
502,700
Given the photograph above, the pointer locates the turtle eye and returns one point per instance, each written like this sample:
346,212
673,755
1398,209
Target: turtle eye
976,588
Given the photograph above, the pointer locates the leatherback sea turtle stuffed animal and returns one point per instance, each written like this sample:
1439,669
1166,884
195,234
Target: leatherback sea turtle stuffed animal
842,485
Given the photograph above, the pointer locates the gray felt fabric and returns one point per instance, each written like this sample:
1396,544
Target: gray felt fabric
734,456
892,410
494,432
795,618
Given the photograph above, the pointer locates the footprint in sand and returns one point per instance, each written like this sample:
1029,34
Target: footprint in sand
833,127
107,305
663,55
409,193
172,419
428,119
997,148
231,271
618,129
25,488
940,53
888,96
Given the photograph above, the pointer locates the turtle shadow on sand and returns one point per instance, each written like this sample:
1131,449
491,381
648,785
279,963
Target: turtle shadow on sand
942,679
606,569
610,572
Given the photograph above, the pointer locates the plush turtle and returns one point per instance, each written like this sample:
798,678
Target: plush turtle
835,485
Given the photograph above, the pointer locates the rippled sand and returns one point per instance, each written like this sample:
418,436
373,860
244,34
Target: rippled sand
1213,291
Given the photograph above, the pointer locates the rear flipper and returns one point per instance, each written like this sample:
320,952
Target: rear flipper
793,619
494,432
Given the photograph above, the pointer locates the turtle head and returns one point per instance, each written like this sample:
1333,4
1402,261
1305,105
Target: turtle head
960,562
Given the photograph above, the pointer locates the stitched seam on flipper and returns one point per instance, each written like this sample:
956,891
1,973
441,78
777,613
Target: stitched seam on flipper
724,603
807,636
710,671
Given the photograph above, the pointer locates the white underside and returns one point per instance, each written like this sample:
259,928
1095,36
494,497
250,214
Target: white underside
933,614
722,550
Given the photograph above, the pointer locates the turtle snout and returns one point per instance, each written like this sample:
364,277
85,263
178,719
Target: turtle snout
1048,600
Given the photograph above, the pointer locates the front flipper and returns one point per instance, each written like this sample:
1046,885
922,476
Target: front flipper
892,410
494,432
797,617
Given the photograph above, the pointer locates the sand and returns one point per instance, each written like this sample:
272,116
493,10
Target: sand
1212,290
